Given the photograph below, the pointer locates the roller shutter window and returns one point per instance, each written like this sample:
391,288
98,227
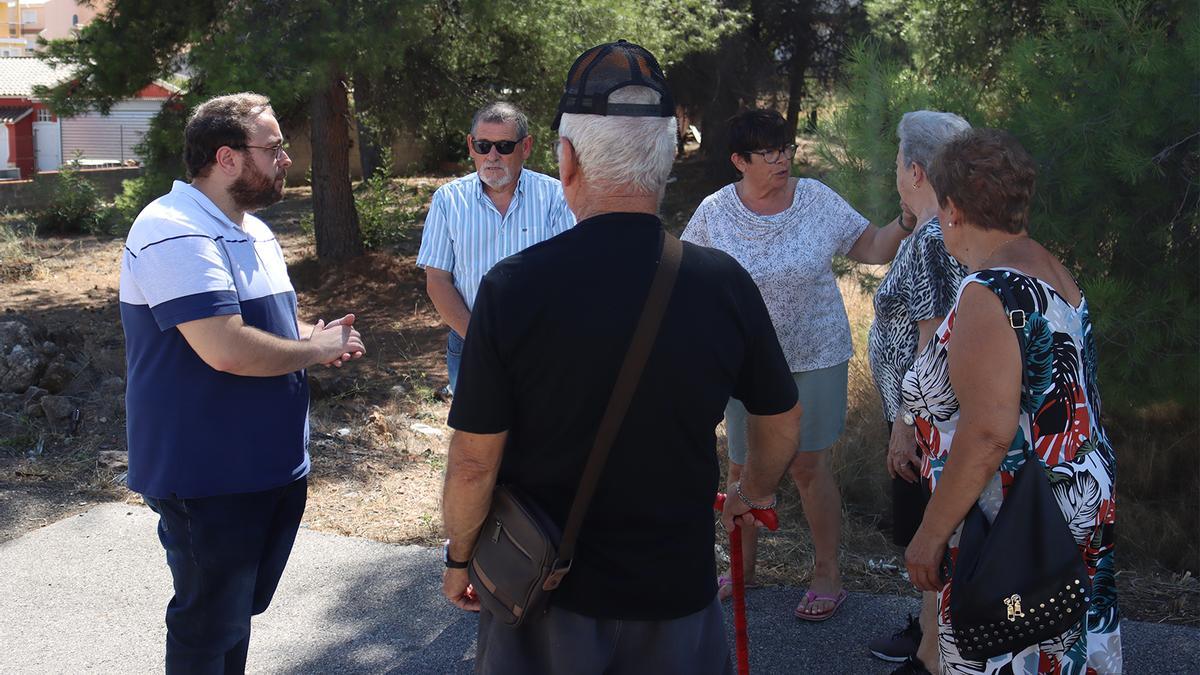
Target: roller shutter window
111,138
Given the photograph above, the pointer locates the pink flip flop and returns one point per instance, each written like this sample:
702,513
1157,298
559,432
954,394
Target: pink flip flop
811,597
726,581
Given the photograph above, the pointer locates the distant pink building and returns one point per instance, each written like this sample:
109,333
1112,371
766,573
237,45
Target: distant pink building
27,20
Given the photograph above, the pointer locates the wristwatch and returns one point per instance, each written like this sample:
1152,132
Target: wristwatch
908,418
450,562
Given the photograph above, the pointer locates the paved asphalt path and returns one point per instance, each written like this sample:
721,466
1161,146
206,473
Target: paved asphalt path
87,594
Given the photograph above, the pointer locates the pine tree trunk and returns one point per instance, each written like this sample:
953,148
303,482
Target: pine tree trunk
369,147
795,94
334,217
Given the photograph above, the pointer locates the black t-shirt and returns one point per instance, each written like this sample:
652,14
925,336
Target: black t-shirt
549,330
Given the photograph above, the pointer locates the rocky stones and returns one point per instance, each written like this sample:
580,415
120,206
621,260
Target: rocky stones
13,333
20,368
59,411
58,375
32,401
113,460
21,359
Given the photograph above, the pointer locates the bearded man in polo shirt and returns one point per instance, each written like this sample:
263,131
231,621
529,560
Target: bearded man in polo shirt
217,397
476,221
550,329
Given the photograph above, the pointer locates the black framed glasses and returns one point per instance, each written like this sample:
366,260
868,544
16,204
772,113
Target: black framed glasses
774,155
278,150
502,147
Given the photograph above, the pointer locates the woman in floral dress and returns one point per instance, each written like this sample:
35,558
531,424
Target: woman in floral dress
975,418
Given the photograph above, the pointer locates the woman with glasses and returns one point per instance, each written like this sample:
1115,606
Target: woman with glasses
785,231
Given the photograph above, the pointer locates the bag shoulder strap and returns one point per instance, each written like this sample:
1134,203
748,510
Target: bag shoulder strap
1017,319
627,380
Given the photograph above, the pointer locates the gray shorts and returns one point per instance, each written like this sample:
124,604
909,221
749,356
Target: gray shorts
822,400
565,642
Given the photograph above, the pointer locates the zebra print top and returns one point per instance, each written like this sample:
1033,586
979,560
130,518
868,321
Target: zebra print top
921,284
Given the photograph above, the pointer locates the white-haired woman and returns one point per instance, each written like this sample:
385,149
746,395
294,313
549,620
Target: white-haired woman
785,231
913,298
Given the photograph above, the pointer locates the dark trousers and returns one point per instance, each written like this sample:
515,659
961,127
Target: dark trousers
908,506
563,642
226,554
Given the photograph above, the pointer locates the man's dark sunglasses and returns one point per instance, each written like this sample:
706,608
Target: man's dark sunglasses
502,147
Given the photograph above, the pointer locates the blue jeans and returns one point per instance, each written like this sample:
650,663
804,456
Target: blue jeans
226,554
454,349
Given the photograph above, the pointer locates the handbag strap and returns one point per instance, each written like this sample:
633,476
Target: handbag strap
627,380
1018,319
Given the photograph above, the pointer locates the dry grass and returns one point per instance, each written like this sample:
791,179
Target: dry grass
18,257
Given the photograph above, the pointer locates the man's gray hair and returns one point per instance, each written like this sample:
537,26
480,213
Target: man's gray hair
624,151
923,132
501,112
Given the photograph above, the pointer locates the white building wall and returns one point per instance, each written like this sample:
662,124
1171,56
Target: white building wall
108,138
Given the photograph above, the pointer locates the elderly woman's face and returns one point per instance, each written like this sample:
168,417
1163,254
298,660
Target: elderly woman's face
761,174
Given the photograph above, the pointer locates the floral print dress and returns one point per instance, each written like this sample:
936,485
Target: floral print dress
1060,421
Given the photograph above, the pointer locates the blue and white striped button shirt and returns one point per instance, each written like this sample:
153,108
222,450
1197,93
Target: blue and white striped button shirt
466,235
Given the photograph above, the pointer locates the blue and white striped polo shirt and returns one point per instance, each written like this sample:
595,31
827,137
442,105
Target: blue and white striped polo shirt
195,431
466,235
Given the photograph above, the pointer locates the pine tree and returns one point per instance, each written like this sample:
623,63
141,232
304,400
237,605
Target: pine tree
1103,93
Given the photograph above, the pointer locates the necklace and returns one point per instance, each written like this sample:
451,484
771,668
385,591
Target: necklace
999,246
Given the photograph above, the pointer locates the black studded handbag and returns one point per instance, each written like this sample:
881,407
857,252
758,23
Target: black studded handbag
1020,579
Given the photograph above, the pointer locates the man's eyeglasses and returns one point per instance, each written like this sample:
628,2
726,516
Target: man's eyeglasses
278,150
502,147
774,155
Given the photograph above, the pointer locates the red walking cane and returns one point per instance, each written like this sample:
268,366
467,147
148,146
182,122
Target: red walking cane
741,636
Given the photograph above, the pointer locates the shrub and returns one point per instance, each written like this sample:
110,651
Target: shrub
71,205
136,193
387,212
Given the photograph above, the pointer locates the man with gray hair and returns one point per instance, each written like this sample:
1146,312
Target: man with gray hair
480,219
550,328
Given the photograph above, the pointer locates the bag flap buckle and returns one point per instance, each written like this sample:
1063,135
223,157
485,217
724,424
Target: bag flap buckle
559,570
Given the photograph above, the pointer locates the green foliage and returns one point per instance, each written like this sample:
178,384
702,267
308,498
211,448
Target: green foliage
1103,93
467,55
385,217
136,193
952,37
72,205
1105,97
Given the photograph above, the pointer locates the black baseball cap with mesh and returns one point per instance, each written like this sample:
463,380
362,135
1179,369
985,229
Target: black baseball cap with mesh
606,68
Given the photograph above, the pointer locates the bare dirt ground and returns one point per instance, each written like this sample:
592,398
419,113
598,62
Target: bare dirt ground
379,437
